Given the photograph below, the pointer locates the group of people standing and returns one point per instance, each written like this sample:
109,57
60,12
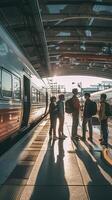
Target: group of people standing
103,119
56,110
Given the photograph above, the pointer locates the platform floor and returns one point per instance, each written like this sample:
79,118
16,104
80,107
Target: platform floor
59,169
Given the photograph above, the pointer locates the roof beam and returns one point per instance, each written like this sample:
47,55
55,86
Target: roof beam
61,39
74,27
60,52
48,28
64,17
41,33
74,45
87,57
53,2
66,70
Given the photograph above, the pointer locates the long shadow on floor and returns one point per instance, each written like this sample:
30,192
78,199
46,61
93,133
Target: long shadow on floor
99,187
97,153
51,183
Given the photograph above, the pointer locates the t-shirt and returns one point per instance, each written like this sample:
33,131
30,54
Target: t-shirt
76,104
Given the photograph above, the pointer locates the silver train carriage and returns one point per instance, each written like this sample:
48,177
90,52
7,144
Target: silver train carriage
23,94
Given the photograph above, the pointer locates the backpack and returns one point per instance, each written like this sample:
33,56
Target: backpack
69,106
108,111
93,108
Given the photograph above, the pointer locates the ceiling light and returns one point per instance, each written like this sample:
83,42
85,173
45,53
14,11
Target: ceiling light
51,45
57,47
82,46
88,33
63,34
61,41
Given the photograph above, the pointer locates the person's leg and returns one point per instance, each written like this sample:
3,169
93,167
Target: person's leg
51,127
75,123
90,128
101,135
104,132
54,125
61,124
84,128
59,128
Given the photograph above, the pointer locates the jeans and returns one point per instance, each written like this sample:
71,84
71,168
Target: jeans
89,121
53,121
75,122
104,130
61,123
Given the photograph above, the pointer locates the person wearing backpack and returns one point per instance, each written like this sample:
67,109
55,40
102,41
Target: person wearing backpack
75,105
103,117
87,117
53,111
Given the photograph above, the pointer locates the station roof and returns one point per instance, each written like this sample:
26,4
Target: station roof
62,37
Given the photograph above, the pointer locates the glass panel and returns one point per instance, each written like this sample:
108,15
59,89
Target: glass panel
6,84
102,8
55,9
17,91
0,82
42,98
34,95
37,96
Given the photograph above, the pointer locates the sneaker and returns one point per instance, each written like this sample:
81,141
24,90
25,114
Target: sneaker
76,137
73,138
64,136
61,137
55,137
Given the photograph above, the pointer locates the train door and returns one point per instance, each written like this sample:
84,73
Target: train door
46,102
26,100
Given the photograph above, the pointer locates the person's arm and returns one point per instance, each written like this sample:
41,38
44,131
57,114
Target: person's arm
103,116
50,108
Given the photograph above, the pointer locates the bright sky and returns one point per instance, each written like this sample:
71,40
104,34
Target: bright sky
72,81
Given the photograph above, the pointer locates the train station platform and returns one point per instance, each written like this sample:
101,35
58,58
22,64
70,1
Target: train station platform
47,169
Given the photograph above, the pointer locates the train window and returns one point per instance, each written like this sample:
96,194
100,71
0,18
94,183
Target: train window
0,82
42,98
34,95
6,84
16,85
38,96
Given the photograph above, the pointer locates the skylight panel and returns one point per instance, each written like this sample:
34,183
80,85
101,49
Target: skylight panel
55,9
102,8
63,34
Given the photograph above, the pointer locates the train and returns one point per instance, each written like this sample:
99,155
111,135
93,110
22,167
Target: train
23,94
